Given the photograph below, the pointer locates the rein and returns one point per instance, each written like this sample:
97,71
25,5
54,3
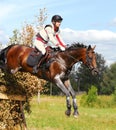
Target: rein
88,62
88,59
72,57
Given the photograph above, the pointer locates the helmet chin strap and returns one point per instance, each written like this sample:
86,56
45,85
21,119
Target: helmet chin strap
53,22
55,28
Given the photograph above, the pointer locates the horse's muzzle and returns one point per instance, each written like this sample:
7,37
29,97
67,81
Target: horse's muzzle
95,71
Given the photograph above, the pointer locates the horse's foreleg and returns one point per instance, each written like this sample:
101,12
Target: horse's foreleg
60,84
68,111
69,87
75,113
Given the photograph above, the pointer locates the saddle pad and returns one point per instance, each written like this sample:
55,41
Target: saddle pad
33,59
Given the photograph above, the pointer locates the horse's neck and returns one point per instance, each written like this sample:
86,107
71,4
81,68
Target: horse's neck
76,55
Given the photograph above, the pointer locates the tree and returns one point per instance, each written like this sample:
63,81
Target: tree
27,34
15,39
86,77
108,85
41,18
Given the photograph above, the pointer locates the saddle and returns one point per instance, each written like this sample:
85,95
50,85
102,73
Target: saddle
34,56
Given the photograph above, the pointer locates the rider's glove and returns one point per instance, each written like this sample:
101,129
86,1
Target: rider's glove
62,48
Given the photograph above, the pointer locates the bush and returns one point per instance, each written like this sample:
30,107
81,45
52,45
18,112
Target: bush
91,98
114,98
92,95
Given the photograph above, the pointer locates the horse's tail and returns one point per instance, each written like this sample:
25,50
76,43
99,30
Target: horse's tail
3,53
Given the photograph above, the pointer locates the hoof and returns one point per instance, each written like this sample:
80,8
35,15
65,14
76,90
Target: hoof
68,112
75,114
12,71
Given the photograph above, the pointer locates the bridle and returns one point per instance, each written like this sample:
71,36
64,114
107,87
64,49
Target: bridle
88,60
88,63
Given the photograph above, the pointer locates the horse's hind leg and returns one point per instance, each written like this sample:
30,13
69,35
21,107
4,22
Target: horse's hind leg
13,71
13,65
69,87
60,84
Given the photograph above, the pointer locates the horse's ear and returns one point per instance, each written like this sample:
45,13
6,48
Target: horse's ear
89,47
94,47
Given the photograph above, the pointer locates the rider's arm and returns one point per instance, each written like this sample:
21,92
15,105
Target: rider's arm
58,37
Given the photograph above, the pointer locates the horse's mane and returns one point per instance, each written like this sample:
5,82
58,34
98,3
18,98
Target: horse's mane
76,45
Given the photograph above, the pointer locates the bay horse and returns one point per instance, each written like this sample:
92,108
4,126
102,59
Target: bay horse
14,58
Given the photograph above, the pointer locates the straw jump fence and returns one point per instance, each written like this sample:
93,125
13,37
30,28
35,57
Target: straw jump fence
16,92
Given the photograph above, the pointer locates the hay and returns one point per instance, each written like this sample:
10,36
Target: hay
23,84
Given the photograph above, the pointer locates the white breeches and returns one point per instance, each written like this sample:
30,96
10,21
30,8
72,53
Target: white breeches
40,46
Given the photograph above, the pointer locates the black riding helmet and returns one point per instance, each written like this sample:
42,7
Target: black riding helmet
56,18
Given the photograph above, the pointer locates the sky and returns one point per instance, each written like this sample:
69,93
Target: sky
91,22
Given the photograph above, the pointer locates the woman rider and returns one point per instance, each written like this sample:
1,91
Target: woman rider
51,33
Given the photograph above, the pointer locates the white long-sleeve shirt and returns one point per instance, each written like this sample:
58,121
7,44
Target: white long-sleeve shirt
49,35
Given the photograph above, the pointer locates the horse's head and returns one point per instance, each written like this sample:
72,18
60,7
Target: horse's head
91,60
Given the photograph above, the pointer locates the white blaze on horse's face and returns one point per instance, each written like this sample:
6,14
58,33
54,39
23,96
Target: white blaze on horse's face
92,59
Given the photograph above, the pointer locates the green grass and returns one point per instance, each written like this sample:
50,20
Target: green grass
49,115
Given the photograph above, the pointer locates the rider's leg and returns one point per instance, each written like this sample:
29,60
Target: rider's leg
41,47
35,68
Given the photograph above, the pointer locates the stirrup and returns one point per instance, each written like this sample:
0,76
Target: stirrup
35,69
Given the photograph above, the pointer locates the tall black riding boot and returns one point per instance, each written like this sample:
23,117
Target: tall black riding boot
35,68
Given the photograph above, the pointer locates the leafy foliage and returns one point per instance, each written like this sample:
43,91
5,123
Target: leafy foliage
41,18
114,97
92,95
87,79
91,98
15,39
105,81
109,80
27,34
